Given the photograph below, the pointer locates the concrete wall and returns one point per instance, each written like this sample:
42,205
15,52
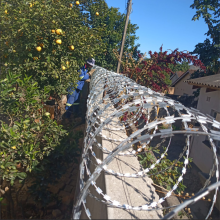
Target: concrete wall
181,87
97,209
206,106
131,191
202,154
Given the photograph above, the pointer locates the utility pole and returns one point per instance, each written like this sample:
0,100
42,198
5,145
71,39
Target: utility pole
124,35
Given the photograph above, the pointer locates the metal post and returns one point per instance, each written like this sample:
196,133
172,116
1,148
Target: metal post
124,35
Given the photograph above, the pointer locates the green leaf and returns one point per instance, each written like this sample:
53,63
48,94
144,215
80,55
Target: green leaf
170,179
17,123
22,175
12,182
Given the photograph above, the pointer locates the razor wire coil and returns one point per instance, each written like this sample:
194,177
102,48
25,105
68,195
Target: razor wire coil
125,97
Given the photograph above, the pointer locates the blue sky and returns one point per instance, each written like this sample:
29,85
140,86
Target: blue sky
167,22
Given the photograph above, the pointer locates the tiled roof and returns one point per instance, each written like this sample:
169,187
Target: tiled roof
179,73
183,75
208,81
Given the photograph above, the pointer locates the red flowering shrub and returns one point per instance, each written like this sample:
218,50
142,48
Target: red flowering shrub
154,72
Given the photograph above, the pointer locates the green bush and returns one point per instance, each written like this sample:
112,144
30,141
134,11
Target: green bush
169,171
31,134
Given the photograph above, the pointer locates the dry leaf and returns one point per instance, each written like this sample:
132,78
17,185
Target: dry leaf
6,188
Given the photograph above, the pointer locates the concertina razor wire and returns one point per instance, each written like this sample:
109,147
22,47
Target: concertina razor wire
132,102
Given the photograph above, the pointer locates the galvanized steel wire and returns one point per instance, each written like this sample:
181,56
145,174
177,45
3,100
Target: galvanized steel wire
128,97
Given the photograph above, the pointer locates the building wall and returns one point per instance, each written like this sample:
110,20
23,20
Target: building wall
182,88
205,105
202,155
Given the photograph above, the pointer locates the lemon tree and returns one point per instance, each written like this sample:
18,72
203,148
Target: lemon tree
39,38
43,45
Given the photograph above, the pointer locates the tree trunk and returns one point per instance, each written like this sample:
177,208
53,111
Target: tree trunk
62,104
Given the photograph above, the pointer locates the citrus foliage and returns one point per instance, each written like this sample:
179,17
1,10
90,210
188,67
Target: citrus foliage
43,44
31,135
47,40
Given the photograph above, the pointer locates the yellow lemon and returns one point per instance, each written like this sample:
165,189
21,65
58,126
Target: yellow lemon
63,67
38,48
59,31
97,14
6,11
71,47
67,63
31,5
14,51
58,41
71,5
77,2
52,31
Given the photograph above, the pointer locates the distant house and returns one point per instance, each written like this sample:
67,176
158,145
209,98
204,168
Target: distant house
180,87
175,76
208,103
